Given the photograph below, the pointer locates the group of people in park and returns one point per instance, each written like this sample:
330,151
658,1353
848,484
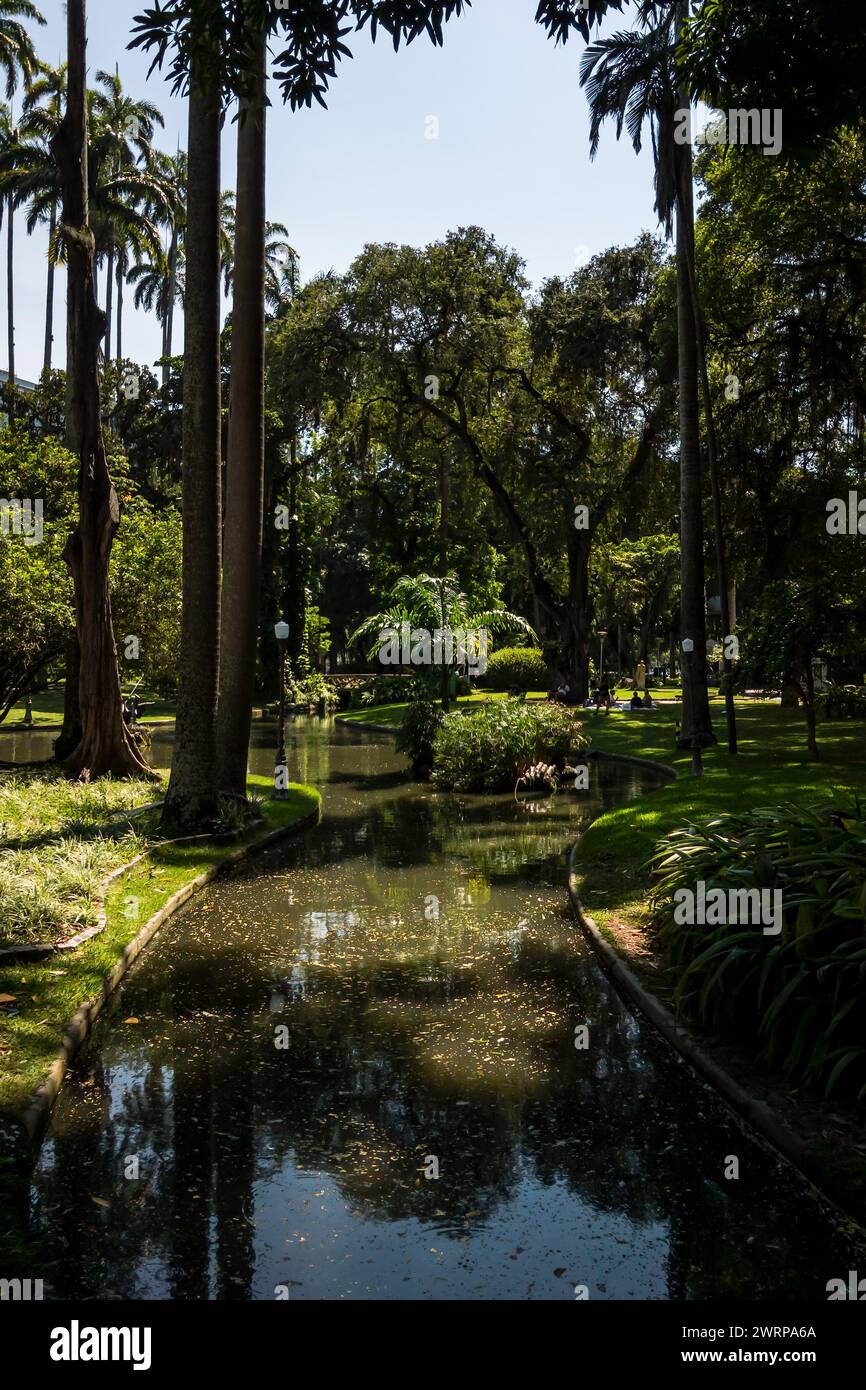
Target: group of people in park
604,692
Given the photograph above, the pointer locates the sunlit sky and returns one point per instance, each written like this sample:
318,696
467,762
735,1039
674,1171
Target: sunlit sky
512,156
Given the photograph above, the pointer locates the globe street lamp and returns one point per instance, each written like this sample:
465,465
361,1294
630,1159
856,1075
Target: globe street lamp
281,772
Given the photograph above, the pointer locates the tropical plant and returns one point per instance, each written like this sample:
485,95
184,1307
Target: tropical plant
417,734
801,993
432,605
491,747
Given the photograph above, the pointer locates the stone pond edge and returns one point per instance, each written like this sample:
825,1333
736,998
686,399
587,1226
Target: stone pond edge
756,1113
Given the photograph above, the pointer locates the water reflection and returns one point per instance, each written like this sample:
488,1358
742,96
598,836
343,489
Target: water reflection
394,996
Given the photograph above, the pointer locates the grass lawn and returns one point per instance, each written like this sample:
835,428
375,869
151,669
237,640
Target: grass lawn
47,993
48,709
772,767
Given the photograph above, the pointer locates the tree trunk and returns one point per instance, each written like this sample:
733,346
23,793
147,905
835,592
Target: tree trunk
121,268
168,326
242,543
10,291
444,494
576,619
70,735
105,745
192,793
49,299
697,729
109,305
715,488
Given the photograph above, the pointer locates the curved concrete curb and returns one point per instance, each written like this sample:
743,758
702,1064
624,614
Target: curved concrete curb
755,1112
370,728
34,1117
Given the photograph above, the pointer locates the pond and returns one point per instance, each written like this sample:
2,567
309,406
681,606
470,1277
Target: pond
350,1072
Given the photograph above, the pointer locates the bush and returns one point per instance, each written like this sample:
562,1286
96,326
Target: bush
843,702
310,690
800,994
489,749
421,723
517,668
387,690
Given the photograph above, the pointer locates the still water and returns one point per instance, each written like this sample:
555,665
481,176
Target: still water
266,1106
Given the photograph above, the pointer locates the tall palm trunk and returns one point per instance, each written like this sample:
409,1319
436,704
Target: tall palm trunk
168,322
121,272
192,793
444,499
49,298
716,490
109,304
246,453
697,730
10,290
105,745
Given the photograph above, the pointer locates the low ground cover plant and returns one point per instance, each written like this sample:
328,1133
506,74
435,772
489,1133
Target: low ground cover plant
800,993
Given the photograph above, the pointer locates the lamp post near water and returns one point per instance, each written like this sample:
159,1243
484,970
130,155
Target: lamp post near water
281,771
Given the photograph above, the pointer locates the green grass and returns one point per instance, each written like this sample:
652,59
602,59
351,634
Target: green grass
771,767
48,709
48,992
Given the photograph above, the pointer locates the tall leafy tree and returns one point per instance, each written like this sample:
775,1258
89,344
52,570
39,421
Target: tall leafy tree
631,77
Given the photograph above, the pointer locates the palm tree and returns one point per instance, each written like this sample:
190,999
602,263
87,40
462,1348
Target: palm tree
436,603
192,795
17,54
121,149
127,197
9,137
631,77
245,464
43,112
281,259
159,283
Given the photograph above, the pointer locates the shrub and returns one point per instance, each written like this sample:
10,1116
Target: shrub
387,690
517,668
843,702
490,748
310,690
800,994
421,723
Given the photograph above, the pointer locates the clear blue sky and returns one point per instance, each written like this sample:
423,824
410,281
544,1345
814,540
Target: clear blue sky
512,156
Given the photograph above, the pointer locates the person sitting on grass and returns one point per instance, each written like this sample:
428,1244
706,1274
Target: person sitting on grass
635,702
648,701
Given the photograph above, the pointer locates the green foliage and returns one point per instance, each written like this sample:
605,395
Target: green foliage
146,589
802,993
309,690
843,702
421,723
387,690
35,589
517,668
489,749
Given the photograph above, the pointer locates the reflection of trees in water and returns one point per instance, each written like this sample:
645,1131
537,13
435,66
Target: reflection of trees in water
409,1036
354,1097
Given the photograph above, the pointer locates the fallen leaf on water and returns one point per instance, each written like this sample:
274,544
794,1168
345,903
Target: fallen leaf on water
132,1020
8,998
100,1201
